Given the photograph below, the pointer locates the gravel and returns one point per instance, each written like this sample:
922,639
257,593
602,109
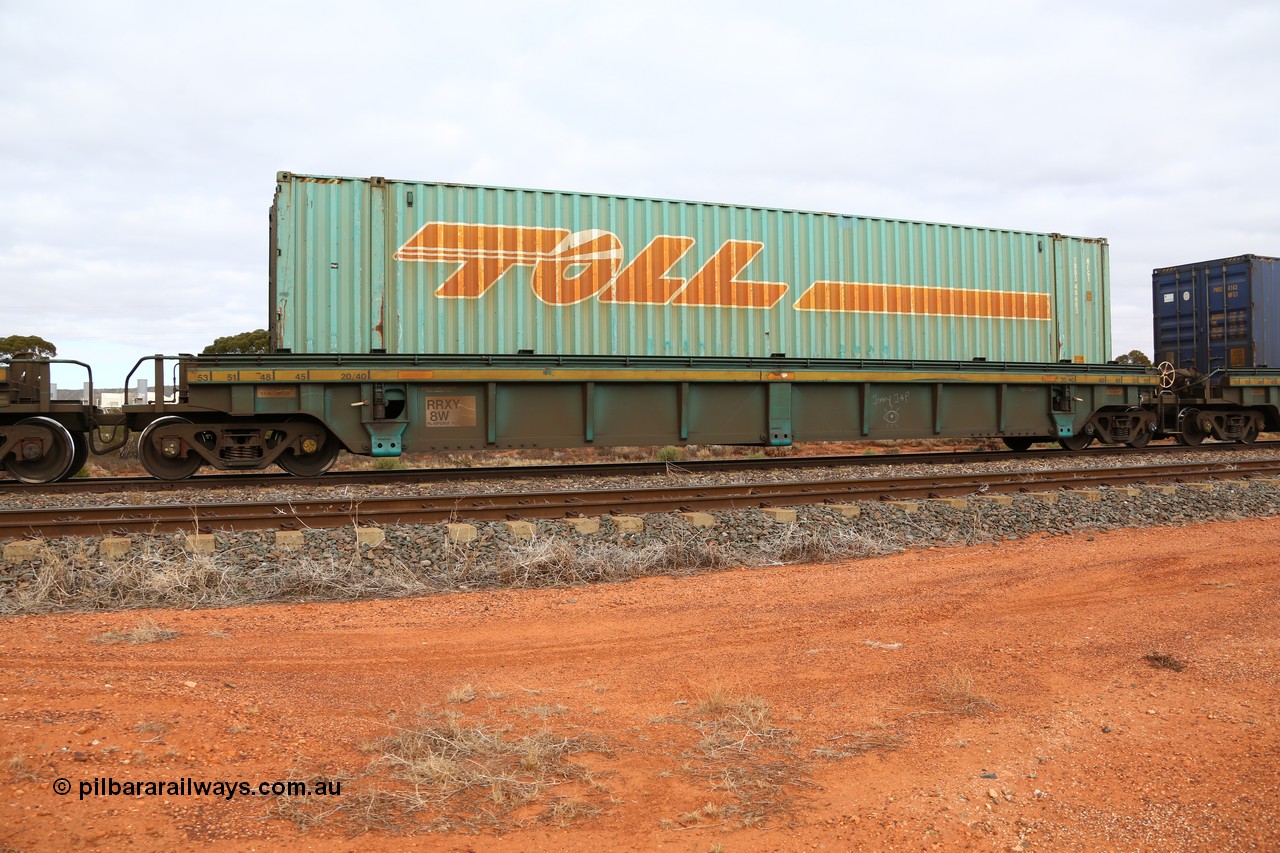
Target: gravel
158,571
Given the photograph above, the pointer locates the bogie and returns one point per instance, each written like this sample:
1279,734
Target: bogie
166,451
173,447
44,453
312,453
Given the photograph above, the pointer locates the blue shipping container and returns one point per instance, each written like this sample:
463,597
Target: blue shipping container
1217,315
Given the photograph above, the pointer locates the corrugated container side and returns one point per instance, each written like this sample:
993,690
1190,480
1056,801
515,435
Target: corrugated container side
362,265
1220,314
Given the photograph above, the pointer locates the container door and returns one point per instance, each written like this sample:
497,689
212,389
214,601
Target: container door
322,297
1214,283
1237,301
1229,316
1081,298
274,330
1082,295
1177,299
1264,310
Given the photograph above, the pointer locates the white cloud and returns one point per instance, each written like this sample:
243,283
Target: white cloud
139,141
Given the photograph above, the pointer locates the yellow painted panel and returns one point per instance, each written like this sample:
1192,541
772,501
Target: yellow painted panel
197,376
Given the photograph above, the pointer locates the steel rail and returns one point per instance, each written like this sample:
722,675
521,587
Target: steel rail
387,511
593,469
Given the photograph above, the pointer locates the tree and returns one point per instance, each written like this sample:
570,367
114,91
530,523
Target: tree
15,344
1134,356
255,341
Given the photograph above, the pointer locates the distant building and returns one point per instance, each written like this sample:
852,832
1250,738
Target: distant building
109,399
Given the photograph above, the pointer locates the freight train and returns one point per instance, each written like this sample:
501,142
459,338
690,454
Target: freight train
410,316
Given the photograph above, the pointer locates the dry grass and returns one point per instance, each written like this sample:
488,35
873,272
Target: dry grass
159,574
744,758
461,695
877,737
542,711
361,810
955,693
1164,660
720,699
146,631
451,774
711,814
156,729
20,770
564,811
480,770
561,562
796,543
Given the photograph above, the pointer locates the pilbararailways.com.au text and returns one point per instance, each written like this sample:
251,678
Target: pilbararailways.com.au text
107,786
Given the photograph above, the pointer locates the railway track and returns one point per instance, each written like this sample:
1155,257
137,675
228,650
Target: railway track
387,511
611,469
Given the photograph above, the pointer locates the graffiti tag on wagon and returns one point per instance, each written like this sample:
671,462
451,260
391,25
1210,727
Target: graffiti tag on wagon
569,267
890,404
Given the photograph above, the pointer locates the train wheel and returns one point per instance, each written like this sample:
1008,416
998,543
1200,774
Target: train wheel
151,452
1190,434
311,464
1017,443
1141,439
81,455
54,463
1250,434
1079,441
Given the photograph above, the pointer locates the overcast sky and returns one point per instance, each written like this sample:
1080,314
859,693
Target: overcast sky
139,141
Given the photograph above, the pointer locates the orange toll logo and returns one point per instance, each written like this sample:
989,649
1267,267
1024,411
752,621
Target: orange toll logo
570,267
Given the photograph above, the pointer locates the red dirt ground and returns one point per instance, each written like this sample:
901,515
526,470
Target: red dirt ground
1022,661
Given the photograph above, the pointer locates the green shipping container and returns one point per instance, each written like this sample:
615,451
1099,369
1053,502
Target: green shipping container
372,265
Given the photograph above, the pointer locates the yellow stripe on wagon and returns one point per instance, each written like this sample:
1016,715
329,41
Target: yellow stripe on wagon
551,374
1254,380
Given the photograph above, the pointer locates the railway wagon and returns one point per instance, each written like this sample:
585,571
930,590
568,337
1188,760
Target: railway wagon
409,267
412,316
299,411
1217,328
42,439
